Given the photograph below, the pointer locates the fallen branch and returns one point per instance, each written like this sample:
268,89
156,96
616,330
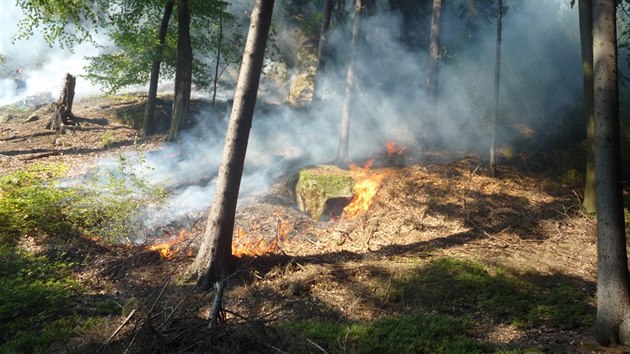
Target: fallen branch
40,156
121,326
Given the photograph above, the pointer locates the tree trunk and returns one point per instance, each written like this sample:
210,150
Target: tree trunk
497,82
322,52
344,131
216,66
63,108
149,124
183,70
586,39
434,52
214,261
612,326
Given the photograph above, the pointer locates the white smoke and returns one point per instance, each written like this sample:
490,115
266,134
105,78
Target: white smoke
541,78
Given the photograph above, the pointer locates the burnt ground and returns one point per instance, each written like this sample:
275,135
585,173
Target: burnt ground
429,207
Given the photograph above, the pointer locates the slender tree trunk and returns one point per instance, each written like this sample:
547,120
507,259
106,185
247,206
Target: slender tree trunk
214,262
149,124
612,326
497,82
586,39
183,70
216,66
322,53
434,52
344,131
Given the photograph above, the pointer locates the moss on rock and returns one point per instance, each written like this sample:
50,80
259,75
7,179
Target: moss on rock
316,185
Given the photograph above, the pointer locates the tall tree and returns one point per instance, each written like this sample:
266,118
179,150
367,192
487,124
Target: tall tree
497,82
434,54
148,124
344,131
612,326
217,65
214,262
322,53
586,40
183,70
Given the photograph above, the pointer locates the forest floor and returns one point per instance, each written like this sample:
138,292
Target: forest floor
510,262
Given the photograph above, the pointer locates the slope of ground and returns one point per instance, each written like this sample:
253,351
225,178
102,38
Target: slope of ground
508,264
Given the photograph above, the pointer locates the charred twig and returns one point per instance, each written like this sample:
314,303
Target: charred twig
216,303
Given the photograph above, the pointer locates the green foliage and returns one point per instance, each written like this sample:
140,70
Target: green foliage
106,205
451,286
66,22
424,333
111,201
107,140
137,45
30,202
34,290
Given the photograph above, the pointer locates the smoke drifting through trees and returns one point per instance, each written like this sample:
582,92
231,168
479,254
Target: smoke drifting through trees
541,83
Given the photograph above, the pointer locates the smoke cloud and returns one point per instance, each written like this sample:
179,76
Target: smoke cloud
540,89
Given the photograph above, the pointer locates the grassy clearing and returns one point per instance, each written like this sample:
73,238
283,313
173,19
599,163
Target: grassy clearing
422,333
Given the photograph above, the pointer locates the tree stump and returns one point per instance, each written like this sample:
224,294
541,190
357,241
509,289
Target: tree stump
318,185
62,115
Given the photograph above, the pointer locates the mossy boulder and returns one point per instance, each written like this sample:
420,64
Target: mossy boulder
317,185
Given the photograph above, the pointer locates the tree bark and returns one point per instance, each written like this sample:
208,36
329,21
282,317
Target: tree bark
183,70
149,124
586,39
344,131
497,82
612,326
63,108
214,261
322,52
434,53
215,82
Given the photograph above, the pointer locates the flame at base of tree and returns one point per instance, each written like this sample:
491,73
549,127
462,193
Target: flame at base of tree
168,250
244,245
365,188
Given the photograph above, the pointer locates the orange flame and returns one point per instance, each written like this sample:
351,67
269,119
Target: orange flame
245,246
168,250
392,149
365,189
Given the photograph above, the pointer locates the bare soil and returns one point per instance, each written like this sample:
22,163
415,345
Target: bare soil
429,206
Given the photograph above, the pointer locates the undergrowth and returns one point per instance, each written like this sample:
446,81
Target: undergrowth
39,208
447,303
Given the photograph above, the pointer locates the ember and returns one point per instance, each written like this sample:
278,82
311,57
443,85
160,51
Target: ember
168,250
365,188
392,149
243,245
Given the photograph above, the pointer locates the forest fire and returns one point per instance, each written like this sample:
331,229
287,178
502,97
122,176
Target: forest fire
393,149
365,189
168,250
243,245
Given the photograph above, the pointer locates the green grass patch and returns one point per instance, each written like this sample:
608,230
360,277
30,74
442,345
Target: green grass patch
35,293
457,287
37,290
422,333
